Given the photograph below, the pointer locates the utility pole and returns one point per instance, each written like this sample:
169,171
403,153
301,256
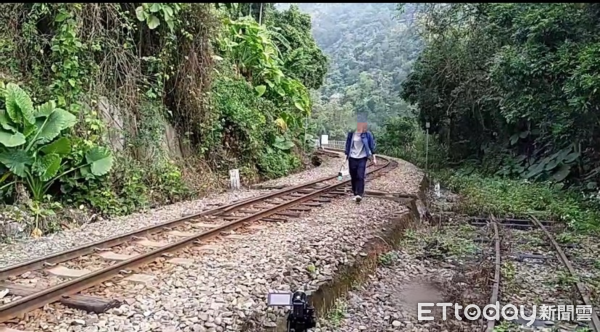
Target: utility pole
305,128
427,148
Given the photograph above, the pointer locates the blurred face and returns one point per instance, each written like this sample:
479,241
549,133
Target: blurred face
361,126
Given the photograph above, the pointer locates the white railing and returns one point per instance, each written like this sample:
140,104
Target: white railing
341,145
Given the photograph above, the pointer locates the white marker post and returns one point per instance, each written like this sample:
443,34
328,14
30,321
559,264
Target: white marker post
324,140
234,179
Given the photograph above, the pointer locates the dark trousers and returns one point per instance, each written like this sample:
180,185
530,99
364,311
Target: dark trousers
357,169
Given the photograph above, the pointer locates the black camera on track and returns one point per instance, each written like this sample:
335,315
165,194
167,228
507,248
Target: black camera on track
301,316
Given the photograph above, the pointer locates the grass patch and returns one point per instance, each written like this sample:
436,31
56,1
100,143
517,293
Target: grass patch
388,258
337,313
520,198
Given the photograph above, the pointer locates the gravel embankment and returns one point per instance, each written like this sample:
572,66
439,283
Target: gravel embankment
396,180
25,249
227,286
388,302
432,266
453,264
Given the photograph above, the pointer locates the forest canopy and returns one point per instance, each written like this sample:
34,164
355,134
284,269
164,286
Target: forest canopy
513,86
371,49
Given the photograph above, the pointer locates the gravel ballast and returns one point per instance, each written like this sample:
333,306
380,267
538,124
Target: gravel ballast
388,302
24,249
453,263
227,286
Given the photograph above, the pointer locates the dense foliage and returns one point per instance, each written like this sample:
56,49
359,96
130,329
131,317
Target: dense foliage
121,106
175,93
371,50
513,86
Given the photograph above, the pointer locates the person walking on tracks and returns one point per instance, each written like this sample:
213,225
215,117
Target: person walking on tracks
360,147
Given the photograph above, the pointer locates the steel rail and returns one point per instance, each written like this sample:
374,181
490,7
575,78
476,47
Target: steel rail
55,293
567,263
68,254
498,266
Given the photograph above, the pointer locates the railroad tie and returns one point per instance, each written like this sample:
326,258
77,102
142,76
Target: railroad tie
82,302
138,278
274,219
288,214
299,208
181,234
305,191
257,227
207,247
249,211
65,272
181,261
236,236
152,244
317,204
113,256
203,225
8,329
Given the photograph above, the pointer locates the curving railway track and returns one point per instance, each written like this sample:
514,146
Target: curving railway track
62,275
535,224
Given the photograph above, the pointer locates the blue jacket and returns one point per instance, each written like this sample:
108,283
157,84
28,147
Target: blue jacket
367,139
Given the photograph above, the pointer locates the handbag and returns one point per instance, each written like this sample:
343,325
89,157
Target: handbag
340,175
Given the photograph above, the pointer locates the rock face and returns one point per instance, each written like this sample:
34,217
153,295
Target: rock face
112,116
119,125
9,227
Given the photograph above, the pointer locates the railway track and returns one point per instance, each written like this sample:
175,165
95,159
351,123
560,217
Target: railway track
59,277
534,223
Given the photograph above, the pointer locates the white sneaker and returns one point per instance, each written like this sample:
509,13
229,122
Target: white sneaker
357,198
354,198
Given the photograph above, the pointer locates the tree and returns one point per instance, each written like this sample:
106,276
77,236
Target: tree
514,86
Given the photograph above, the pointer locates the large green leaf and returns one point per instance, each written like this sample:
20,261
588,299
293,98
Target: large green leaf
51,127
153,22
18,105
140,13
552,164
283,144
61,147
29,129
16,161
45,109
5,122
299,106
155,7
535,170
47,166
10,140
571,157
261,90
562,173
100,160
